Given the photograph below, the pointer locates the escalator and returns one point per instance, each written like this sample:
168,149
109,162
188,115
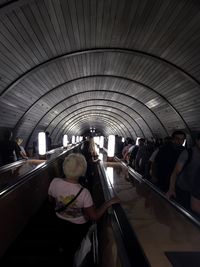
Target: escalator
144,230
38,242
22,194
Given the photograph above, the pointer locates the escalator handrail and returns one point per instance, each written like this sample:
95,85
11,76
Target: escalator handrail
25,177
172,202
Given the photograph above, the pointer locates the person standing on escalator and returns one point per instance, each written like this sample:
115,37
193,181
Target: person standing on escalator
8,149
74,205
48,141
23,154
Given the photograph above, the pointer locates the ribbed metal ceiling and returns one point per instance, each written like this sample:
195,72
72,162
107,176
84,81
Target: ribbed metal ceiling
127,67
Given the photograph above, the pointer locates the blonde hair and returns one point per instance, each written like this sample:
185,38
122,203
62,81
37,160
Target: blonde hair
74,166
19,140
92,147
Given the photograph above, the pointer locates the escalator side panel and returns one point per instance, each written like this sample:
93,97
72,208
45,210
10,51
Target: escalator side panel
18,205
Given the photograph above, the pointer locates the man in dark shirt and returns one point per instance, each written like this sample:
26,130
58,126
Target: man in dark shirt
184,173
166,159
7,149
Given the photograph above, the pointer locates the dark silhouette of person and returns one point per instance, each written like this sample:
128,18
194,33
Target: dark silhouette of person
48,141
8,147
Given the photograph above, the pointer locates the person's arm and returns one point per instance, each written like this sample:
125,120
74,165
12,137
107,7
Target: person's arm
195,193
127,157
17,149
152,170
95,214
123,152
23,154
195,204
171,192
182,159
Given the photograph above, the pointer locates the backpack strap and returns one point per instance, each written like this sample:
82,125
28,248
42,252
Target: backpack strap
71,201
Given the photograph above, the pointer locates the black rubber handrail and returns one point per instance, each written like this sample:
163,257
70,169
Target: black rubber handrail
175,204
25,177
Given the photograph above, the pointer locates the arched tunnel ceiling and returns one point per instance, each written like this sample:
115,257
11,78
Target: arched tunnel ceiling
126,67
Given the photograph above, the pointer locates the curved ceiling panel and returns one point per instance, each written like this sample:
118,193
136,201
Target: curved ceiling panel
128,106
91,118
122,118
138,61
116,108
95,118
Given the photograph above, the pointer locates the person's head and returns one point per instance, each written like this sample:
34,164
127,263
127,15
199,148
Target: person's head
128,141
19,140
74,166
178,137
141,142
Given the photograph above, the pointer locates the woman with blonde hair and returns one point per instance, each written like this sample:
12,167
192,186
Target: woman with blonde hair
74,205
23,154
